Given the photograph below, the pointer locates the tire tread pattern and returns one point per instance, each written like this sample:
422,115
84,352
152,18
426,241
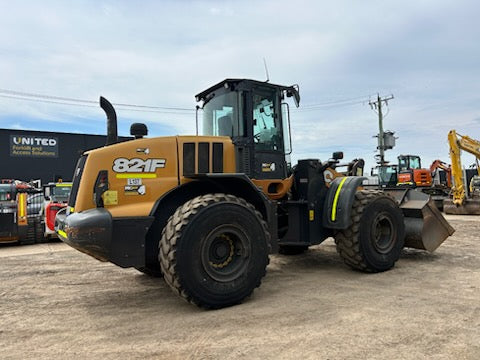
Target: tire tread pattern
347,241
173,232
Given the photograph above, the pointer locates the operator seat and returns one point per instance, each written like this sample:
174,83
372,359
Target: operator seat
225,126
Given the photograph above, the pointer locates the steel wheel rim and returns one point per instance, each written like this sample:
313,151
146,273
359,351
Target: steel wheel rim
383,233
225,253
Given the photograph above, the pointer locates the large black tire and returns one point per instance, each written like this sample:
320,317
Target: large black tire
30,236
214,250
375,239
40,233
34,232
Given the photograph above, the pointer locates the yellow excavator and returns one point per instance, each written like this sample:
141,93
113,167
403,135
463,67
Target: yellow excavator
205,211
462,202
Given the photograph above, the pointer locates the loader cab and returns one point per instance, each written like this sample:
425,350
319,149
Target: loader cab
255,116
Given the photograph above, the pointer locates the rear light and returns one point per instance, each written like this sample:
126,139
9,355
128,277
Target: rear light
101,185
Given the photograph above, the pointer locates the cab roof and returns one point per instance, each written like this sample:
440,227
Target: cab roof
245,83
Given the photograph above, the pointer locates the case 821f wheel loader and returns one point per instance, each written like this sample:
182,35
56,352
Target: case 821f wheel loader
206,211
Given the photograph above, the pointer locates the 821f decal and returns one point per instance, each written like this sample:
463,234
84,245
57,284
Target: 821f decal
136,165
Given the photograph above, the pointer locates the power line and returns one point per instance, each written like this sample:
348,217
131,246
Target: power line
60,100
44,101
75,100
364,97
326,107
92,106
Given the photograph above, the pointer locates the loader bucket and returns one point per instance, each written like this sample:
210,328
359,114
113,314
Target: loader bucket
425,226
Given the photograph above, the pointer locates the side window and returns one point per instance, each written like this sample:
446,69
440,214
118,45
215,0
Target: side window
267,130
223,116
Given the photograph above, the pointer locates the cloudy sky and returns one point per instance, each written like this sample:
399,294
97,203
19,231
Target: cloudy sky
161,53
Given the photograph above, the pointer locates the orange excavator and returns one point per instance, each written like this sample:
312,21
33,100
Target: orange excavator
411,173
434,170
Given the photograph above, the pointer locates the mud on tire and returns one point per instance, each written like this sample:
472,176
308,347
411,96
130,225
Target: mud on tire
214,250
374,240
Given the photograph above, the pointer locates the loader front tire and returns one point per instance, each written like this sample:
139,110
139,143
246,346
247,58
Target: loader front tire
214,250
374,240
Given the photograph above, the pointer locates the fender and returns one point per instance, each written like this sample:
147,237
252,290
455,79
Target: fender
338,205
230,183
235,184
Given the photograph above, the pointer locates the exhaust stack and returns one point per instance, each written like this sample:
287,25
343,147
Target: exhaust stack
112,135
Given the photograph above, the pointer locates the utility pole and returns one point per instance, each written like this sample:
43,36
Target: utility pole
377,107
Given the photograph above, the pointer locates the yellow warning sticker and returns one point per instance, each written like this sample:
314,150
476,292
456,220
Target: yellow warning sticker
110,197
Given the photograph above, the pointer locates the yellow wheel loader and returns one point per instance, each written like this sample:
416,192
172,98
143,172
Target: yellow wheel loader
206,211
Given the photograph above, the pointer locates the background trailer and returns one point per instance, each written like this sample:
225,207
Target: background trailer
30,155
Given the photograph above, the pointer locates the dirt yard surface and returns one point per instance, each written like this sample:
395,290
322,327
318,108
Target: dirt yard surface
58,303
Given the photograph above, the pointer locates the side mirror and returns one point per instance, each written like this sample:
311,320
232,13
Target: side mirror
337,155
293,91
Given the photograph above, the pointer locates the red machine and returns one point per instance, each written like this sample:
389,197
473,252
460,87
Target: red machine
411,173
56,198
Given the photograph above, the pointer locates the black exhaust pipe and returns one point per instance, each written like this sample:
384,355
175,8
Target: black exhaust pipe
112,135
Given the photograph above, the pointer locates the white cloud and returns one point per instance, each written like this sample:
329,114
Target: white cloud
163,53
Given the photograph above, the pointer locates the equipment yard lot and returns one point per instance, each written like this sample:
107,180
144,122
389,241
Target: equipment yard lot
58,303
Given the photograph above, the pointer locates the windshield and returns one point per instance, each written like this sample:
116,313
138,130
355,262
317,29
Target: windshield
387,174
409,162
6,193
415,162
221,116
61,192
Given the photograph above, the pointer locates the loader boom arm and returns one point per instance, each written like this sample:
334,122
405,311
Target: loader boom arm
457,143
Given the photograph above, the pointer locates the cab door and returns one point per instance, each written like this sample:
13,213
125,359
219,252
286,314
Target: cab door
268,139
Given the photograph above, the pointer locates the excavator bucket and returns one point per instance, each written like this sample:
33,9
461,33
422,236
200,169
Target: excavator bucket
425,226
470,207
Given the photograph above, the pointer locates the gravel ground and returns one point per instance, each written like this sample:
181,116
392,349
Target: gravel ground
58,303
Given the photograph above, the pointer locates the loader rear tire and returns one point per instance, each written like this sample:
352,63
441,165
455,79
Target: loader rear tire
374,240
214,250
